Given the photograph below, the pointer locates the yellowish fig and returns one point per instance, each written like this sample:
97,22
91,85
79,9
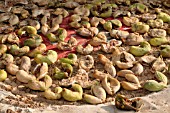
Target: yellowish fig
164,16
139,7
107,26
50,58
53,95
34,41
3,75
161,77
16,50
140,27
158,41
38,50
116,23
158,23
27,29
3,49
40,85
75,95
141,50
165,51
128,21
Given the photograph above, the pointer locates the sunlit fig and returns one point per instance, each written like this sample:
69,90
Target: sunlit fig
98,91
122,73
51,37
27,29
34,41
100,75
75,24
75,17
116,23
129,86
141,50
159,64
140,27
99,39
86,62
147,58
38,50
161,77
16,50
157,32
103,59
111,85
50,58
82,11
139,7
134,39
75,95
158,23
165,50
107,25
43,71
119,13
7,59
3,75
84,50
107,11
3,49
164,16
128,21
67,68
71,4
84,32
110,69
157,41
95,21
91,99
138,69
148,16
40,85
119,34
61,33
153,85
53,95
85,24
14,20
61,11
